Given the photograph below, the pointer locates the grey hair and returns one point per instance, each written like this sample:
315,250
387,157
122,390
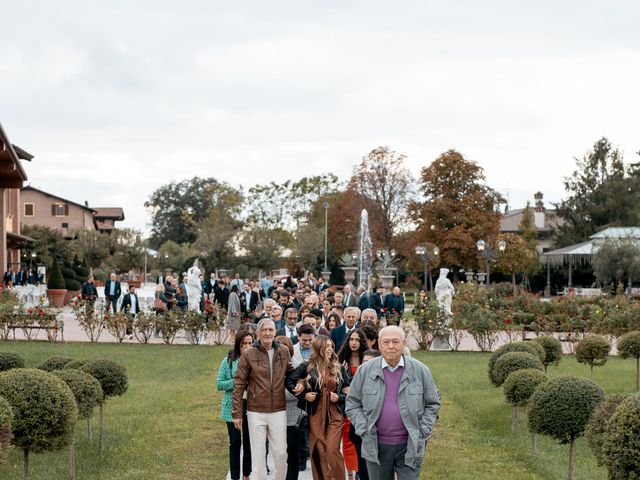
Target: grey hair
392,328
369,310
352,309
270,301
261,324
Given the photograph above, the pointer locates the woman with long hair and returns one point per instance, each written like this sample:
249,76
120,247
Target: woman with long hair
323,399
243,340
234,311
350,357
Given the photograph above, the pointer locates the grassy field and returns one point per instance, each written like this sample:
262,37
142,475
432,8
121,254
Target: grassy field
166,426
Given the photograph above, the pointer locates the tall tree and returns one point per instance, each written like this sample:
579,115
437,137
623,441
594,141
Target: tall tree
179,207
602,192
264,246
617,261
518,257
382,177
458,209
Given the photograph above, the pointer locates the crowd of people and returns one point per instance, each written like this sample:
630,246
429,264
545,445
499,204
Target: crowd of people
324,378
26,276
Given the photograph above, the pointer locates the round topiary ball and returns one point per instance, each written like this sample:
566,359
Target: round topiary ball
9,360
75,364
621,449
597,429
54,363
86,390
6,421
112,377
629,345
562,407
593,350
552,350
511,362
529,347
44,410
520,385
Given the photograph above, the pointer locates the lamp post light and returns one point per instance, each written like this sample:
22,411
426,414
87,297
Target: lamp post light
326,218
489,254
424,251
33,257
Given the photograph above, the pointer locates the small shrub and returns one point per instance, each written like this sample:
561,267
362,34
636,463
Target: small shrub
144,325
621,449
44,411
9,360
528,347
511,362
593,350
56,280
518,388
629,347
596,431
552,350
72,284
6,421
54,363
561,408
86,390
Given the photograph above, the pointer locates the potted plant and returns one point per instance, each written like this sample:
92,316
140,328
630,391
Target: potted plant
55,286
348,266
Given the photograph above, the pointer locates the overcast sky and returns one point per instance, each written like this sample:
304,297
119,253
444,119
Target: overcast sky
117,99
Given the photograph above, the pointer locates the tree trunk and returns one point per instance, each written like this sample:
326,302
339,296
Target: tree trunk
592,372
89,431
638,374
25,464
570,473
100,434
534,446
72,461
513,281
514,418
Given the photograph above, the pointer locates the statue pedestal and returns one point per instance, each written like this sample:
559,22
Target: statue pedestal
387,282
326,276
440,344
349,274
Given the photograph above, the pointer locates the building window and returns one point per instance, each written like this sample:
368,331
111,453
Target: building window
59,209
28,209
65,225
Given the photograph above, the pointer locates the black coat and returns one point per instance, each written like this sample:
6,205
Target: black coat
107,289
126,304
253,301
376,302
300,372
89,291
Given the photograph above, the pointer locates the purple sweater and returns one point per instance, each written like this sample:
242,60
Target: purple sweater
391,429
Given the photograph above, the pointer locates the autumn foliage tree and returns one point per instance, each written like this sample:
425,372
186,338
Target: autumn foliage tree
458,208
518,257
382,177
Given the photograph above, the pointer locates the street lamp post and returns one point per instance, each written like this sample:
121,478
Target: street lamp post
326,218
489,254
424,251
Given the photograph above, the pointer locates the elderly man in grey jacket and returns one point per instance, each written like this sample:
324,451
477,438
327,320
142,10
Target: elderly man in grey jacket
393,404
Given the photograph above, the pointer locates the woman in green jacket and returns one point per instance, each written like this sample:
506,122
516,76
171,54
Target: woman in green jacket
243,340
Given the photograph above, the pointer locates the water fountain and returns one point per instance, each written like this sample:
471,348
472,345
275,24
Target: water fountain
365,254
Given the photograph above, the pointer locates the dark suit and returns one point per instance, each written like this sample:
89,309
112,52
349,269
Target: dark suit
283,332
363,302
208,287
350,300
253,302
339,334
112,299
394,303
376,302
89,291
126,304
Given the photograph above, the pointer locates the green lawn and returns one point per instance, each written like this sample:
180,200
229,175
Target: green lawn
166,426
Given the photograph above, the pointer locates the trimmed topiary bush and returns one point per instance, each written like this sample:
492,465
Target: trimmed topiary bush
56,280
518,388
629,347
6,422
511,362
75,364
593,350
621,449
44,411
528,347
597,429
9,360
113,380
54,363
562,408
88,393
552,350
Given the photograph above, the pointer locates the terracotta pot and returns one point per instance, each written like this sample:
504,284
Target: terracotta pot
56,297
70,294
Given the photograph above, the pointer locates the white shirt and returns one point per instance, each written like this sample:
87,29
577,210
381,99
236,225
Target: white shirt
132,296
393,369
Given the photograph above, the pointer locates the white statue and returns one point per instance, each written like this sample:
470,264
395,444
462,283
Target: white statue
194,287
444,291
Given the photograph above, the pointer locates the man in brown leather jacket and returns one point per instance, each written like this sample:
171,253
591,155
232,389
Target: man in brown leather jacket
261,373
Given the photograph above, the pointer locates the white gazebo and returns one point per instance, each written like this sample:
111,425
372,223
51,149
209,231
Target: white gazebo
582,252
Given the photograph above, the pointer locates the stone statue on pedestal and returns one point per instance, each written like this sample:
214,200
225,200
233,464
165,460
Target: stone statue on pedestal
194,287
444,291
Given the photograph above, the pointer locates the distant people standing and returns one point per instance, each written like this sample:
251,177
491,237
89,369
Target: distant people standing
394,307
265,285
112,292
89,291
131,307
238,282
234,312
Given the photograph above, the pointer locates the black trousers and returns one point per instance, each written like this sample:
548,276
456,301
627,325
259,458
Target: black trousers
293,452
363,473
237,440
303,443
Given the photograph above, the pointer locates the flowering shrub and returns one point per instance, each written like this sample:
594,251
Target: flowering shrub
91,320
431,321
